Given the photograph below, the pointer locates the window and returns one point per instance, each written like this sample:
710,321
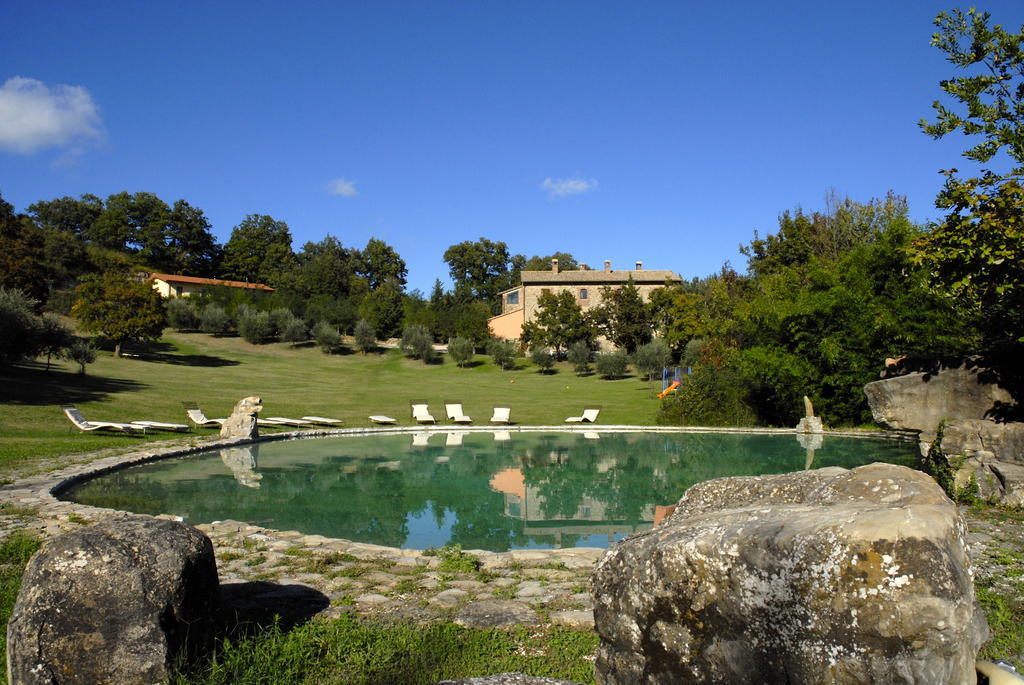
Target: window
583,293
512,297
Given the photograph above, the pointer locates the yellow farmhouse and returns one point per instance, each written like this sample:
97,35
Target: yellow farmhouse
170,285
519,304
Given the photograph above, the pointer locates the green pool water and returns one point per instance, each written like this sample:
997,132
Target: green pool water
482,490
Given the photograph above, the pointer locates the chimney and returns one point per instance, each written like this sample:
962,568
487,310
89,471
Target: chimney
554,266
639,266
607,265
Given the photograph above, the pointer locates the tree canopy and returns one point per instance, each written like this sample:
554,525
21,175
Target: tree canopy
259,250
120,309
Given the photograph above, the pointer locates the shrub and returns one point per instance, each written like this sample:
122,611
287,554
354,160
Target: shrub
692,353
651,358
417,343
461,350
294,331
214,320
182,314
503,352
280,318
612,364
543,358
19,324
82,353
710,396
53,338
579,357
365,336
255,327
327,337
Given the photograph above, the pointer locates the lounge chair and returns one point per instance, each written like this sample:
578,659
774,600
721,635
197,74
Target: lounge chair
421,413
454,411
501,415
382,420
589,416
196,415
75,417
161,426
282,421
322,421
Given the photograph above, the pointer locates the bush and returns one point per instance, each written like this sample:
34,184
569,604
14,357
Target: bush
651,358
461,350
182,314
82,353
294,331
417,343
692,353
19,324
280,318
214,320
327,337
612,364
255,327
365,336
543,358
503,352
579,357
709,396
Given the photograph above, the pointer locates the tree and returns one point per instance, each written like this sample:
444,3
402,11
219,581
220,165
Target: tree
259,251
383,308
19,324
977,252
461,350
624,317
21,254
612,365
543,358
365,336
190,246
66,214
566,262
558,323
325,268
120,309
652,357
503,353
254,326
482,267
54,338
214,320
579,356
327,337
135,223
417,343
82,353
379,263
182,314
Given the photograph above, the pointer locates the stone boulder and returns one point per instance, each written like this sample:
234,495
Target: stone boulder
827,576
919,394
990,453
242,422
119,602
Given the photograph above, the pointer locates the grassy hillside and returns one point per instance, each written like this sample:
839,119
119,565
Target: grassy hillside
217,372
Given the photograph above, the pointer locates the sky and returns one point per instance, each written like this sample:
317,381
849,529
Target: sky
661,132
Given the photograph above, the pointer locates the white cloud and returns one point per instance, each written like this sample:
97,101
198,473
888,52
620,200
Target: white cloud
34,116
343,187
558,187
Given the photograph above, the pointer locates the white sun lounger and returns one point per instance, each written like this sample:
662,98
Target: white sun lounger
84,424
161,426
501,415
589,416
322,420
383,420
283,421
196,416
454,412
421,413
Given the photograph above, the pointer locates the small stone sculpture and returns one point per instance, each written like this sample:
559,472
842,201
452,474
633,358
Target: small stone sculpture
242,422
810,423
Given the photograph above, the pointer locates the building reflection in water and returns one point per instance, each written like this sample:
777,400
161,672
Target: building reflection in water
242,462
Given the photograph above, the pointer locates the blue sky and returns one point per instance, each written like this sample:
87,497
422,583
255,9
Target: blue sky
660,132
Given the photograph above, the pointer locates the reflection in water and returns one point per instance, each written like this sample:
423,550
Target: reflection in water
811,442
454,439
482,492
242,462
421,439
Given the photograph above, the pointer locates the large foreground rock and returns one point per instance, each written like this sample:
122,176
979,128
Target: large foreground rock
828,576
924,392
119,602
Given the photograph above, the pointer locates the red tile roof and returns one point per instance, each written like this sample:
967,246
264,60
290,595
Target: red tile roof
172,278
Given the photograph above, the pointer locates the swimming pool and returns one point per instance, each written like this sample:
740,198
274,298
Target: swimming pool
494,490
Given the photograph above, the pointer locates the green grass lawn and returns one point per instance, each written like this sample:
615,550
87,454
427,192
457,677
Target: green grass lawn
293,381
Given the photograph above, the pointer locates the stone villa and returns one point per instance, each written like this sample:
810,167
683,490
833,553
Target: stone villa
519,304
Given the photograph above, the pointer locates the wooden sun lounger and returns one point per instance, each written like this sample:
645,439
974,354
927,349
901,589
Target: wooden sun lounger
80,422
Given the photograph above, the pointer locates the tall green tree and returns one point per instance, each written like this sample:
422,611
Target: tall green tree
66,214
623,317
120,309
379,263
325,268
21,254
190,246
483,267
977,252
558,323
259,251
383,309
